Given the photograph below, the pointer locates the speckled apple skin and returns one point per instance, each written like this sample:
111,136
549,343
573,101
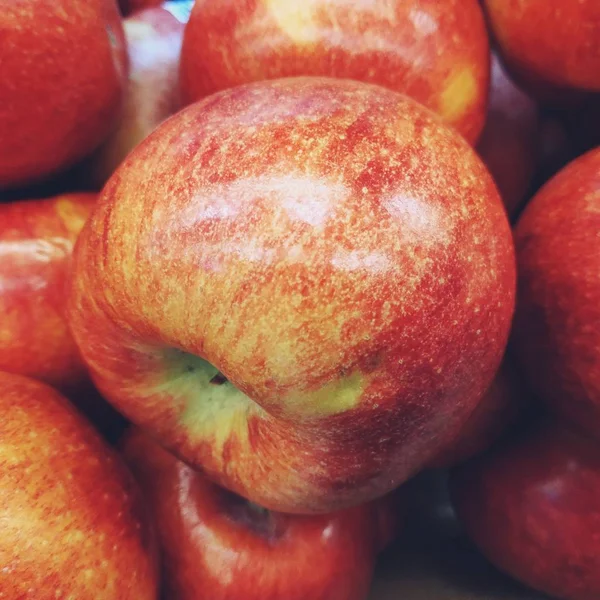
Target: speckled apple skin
556,334
552,47
340,255
64,67
435,51
72,522
531,506
215,545
36,246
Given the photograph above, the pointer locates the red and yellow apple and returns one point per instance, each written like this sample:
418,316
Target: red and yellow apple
531,506
302,287
217,545
72,521
63,72
435,51
556,337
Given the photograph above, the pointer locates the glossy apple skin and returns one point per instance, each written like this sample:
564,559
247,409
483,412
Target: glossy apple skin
550,46
36,246
558,249
154,39
531,506
72,521
312,239
216,545
435,51
57,101
499,407
509,140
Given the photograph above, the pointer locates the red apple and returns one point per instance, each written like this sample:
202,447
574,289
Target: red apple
63,73
499,407
550,46
556,336
435,51
301,286
154,43
217,545
509,140
531,506
72,522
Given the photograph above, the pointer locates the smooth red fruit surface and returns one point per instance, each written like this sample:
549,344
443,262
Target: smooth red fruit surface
552,47
217,545
36,246
499,407
435,51
510,138
556,334
531,506
63,73
72,523
154,42
301,286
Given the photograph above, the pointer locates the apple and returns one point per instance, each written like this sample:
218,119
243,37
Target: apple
301,286
154,40
72,520
64,67
549,46
499,408
531,506
556,338
435,52
218,545
509,140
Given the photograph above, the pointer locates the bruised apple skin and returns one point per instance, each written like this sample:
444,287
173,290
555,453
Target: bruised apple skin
531,506
300,286
217,545
435,51
64,67
72,520
556,337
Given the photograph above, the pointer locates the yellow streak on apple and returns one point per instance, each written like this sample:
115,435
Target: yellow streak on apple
295,19
70,215
459,93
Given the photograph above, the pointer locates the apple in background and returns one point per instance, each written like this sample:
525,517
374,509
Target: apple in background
509,140
550,46
531,506
154,43
262,278
72,521
220,546
501,405
437,52
64,67
556,337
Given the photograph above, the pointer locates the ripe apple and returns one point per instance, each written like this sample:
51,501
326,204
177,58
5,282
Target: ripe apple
531,506
302,286
509,140
435,52
154,42
550,46
72,521
217,545
64,66
556,337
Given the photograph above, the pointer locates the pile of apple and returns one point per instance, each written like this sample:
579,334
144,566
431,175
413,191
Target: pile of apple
257,271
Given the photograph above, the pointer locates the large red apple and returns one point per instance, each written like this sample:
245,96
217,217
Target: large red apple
435,51
72,522
552,47
556,332
532,507
217,545
154,42
63,73
302,286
